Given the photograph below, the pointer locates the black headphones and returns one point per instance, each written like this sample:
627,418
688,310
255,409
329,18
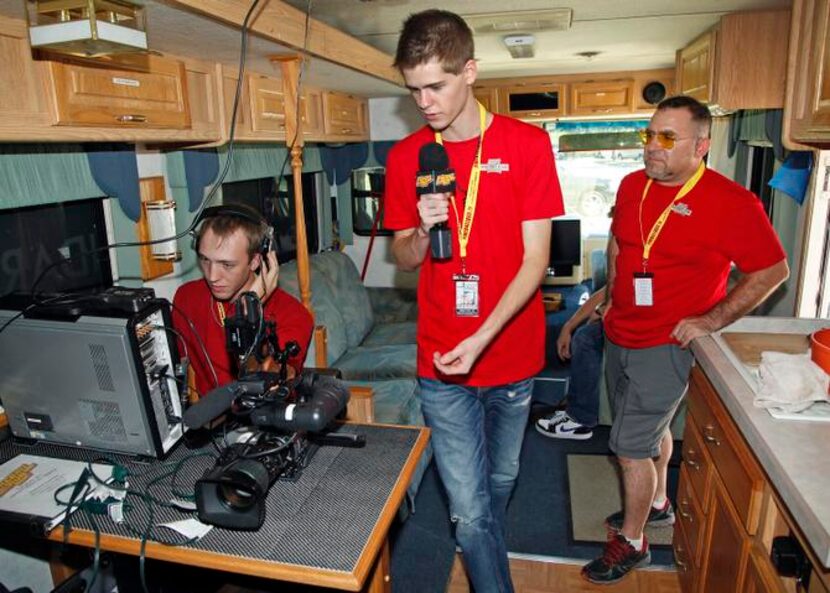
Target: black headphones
239,211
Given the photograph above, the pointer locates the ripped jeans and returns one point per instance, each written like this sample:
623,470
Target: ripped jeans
477,437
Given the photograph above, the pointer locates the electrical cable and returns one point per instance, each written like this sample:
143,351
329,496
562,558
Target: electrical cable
199,341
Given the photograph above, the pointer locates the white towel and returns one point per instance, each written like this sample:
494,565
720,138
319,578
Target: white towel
791,382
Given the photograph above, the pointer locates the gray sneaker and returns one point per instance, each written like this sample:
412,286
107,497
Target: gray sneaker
656,517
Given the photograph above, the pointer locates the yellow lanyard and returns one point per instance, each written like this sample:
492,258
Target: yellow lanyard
221,310
661,220
466,227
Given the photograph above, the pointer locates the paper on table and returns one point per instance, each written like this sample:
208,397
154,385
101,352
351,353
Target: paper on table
28,484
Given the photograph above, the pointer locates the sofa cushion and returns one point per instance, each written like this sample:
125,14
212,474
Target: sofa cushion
352,298
392,333
370,363
395,401
325,306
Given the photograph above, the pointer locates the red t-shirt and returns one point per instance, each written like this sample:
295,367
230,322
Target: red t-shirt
519,184
691,257
194,301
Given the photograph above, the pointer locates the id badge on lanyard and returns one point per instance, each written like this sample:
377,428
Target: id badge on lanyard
643,289
466,295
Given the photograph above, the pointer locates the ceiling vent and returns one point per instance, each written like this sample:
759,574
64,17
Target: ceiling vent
554,19
520,46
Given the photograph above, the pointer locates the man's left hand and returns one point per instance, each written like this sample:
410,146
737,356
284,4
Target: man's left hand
690,328
265,282
460,359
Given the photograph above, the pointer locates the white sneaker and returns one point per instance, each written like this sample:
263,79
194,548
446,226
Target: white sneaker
561,426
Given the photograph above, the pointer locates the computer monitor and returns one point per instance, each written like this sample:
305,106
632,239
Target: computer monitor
56,245
565,247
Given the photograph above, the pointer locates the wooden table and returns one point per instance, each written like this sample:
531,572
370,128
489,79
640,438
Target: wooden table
328,528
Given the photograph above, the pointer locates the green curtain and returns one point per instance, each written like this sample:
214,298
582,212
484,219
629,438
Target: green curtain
35,174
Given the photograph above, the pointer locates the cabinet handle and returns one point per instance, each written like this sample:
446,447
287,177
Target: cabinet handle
709,437
683,512
678,551
535,114
599,110
131,119
692,463
346,131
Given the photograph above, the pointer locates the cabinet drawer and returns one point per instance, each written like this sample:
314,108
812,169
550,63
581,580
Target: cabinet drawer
686,571
690,515
697,462
90,95
741,476
596,98
344,114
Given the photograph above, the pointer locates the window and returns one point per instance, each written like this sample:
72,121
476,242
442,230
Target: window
367,195
592,157
278,209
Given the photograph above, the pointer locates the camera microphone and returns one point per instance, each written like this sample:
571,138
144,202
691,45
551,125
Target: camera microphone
436,177
210,407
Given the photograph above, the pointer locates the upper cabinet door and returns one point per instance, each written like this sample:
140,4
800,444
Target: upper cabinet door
807,110
599,98
93,95
695,67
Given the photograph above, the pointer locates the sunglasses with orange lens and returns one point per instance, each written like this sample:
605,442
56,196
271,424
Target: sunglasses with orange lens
666,140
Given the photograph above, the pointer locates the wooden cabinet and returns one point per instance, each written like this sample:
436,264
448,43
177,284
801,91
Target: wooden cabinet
145,98
345,117
533,101
602,97
807,110
267,106
727,512
726,547
739,64
88,94
311,114
695,65
203,91
489,97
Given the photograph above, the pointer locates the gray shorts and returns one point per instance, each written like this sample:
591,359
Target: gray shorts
645,387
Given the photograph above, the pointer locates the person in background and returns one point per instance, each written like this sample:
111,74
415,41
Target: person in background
581,341
481,320
228,254
677,229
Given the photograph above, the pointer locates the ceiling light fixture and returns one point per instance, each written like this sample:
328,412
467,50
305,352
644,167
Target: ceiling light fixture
87,28
520,46
554,19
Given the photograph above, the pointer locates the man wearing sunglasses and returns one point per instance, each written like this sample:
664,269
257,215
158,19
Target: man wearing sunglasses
677,229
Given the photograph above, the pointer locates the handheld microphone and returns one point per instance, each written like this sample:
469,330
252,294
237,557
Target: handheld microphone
436,177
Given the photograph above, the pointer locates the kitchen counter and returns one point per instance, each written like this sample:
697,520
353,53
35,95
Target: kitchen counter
794,454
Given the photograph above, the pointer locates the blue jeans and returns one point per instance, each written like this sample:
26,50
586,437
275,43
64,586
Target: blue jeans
586,370
477,437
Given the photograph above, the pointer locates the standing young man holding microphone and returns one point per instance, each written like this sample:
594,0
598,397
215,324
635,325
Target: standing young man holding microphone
481,327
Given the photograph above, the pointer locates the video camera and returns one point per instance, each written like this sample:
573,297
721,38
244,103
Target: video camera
284,422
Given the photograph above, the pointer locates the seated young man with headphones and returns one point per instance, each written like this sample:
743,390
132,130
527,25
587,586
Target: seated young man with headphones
233,250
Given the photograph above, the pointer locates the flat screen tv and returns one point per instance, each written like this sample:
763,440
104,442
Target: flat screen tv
34,238
565,246
278,209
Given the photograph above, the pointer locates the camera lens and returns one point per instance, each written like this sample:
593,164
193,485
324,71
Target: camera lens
243,484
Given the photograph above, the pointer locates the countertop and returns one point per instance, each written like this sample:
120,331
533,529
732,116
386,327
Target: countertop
794,454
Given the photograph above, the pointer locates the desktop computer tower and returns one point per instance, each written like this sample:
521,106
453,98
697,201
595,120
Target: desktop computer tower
97,381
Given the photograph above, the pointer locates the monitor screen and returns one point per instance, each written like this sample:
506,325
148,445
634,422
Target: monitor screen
278,209
34,238
565,246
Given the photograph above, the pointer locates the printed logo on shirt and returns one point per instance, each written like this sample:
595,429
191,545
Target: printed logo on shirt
495,166
681,209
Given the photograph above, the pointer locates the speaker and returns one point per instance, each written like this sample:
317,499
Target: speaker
654,92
